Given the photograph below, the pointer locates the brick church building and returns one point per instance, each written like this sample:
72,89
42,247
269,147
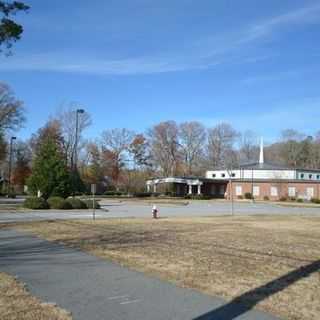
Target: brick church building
262,180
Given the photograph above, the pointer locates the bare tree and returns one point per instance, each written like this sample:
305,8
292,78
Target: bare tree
291,149
140,151
115,145
192,140
292,135
11,109
221,141
164,143
51,130
249,147
67,118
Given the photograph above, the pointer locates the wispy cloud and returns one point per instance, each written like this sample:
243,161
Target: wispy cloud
269,120
205,53
268,27
71,63
253,33
280,76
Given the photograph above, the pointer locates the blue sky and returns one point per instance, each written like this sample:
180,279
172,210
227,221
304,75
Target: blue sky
134,63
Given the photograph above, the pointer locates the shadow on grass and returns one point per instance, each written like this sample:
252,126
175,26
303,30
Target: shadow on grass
247,301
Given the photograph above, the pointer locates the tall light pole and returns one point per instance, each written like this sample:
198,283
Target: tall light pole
10,164
75,160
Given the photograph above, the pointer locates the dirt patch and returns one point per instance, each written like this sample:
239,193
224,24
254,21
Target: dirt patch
16,303
271,262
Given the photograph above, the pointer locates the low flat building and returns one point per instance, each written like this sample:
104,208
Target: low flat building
259,179
182,186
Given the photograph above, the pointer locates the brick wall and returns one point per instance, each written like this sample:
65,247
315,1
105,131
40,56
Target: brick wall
279,189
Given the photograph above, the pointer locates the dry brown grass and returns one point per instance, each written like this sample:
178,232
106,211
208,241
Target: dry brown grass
17,304
221,256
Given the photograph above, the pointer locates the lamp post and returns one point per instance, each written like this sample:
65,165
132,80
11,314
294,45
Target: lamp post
78,111
75,160
10,164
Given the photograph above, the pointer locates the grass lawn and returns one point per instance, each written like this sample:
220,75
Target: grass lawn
255,260
17,304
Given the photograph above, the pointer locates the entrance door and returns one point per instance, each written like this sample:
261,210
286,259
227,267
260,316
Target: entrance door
310,193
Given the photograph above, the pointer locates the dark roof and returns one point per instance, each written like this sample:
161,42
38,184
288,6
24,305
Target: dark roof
272,166
264,166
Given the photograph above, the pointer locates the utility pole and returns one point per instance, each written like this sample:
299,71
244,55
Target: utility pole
10,164
75,160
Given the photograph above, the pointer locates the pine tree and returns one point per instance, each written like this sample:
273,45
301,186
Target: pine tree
50,174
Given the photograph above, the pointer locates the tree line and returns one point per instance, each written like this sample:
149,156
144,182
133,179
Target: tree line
61,160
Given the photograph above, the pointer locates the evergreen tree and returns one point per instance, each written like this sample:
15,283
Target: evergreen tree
50,174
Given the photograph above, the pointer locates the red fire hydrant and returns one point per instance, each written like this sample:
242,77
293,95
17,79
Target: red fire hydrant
154,212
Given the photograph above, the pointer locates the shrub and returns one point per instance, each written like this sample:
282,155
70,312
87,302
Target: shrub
266,198
142,194
89,204
77,203
197,197
36,203
12,195
315,200
156,194
299,200
283,199
59,203
248,195
113,193
240,197
293,198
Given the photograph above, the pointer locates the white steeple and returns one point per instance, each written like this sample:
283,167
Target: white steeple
261,158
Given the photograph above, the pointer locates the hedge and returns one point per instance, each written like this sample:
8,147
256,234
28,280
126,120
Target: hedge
89,204
77,203
315,200
142,194
59,203
113,193
36,203
248,195
197,197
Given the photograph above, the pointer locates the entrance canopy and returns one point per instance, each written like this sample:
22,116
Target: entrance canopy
182,186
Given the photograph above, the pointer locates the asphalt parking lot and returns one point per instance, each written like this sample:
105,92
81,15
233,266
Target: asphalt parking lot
127,209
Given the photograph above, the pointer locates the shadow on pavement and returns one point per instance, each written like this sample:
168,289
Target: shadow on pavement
250,299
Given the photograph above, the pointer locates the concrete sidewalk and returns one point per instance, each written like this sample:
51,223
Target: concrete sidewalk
95,289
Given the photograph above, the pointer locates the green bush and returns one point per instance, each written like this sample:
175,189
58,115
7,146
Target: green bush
299,200
12,195
36,203
283,199
89,204
197,197
113,193
248,195
266,198
77,203
293,198
142,194
315,200
59,203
